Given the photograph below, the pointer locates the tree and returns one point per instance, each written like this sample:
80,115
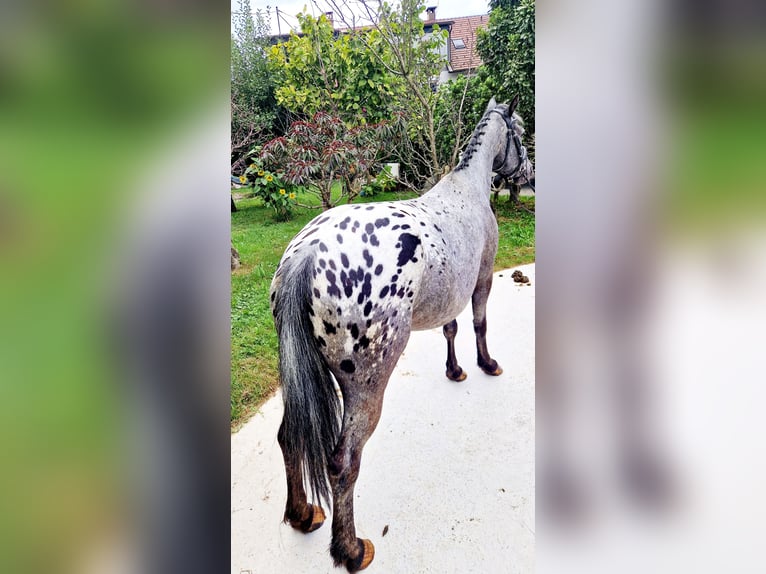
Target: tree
338,74
507,47
254,108
323,152
389,63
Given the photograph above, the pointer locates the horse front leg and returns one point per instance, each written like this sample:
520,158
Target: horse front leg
454,372
479,301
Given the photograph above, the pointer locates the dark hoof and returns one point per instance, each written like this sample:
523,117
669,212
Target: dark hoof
366,554
315,519
457,375
492,369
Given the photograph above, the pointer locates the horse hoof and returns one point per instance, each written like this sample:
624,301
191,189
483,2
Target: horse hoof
461,376
494,372
366,554
314,521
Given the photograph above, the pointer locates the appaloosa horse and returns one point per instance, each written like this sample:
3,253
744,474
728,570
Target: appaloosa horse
348,291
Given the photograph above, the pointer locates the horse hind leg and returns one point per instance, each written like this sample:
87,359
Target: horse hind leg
361,415
479,301
363,390
298,512
454,372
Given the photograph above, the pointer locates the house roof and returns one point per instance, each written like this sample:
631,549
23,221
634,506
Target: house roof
464,28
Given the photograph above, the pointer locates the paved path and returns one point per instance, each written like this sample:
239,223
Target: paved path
449,470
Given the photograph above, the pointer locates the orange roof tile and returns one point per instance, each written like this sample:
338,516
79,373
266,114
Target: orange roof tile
464,28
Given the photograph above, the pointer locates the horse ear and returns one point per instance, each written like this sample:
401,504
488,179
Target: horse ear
491,105
514,103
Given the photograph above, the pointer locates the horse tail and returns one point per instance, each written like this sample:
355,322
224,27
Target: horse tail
311,423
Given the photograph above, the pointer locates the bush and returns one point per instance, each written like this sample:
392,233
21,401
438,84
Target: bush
382,182
271,189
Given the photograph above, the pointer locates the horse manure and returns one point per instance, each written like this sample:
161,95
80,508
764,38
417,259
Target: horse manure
519,277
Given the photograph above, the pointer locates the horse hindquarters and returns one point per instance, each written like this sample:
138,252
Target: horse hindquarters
310,425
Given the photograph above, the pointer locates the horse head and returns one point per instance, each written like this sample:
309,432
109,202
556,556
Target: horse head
512,162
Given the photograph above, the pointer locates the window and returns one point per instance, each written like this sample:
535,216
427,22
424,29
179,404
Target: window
458,43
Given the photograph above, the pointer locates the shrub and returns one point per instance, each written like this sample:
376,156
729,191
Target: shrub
274,192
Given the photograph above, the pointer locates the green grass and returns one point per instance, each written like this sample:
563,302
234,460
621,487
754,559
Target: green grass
261,241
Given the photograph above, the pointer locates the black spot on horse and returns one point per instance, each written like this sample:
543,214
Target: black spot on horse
374,240
323,220
409,245
367,258
314,242
378,270
397,214
321,342
405,226
383,292
328,328
366,290
395,227
381,222
332,265
347,366
322,247
344,260
322,263
317,294
364,237
273,295
354,330
309,233
394,278
369,228
364,342
369,208
343,224
339,237
367,308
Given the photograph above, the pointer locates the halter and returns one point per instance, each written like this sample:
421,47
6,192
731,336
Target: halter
521,151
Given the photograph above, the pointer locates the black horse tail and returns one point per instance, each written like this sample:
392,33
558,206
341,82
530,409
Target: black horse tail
311,423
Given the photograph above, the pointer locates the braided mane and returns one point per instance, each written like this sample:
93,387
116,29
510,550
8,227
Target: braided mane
473,143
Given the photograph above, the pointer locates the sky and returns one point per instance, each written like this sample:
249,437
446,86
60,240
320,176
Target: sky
288,9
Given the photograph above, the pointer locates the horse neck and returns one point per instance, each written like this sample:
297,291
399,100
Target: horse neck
479,167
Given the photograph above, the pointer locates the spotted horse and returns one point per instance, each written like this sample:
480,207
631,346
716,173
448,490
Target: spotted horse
348,291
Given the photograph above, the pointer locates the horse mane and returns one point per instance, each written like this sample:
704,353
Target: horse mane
473,143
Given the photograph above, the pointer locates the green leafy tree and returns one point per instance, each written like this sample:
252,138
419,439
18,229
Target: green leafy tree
507,47
338,74
254,109
384,70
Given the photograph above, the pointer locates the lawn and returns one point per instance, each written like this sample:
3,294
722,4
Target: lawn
260,241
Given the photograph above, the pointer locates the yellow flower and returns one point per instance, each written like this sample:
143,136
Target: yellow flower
269,178
292,195
260,173
242,179
282,192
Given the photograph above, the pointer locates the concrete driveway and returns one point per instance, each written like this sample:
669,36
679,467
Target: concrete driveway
449,470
